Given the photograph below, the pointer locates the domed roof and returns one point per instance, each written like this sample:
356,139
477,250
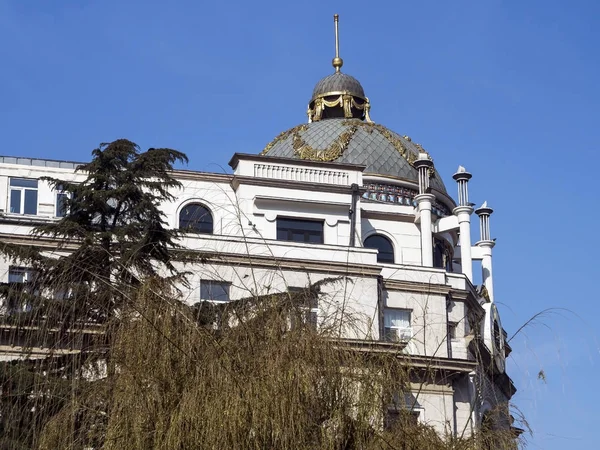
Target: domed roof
353,141
338,83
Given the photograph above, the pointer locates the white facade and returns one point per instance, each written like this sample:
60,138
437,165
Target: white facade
430,311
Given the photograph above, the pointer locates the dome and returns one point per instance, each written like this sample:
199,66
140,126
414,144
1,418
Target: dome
353,141
338,83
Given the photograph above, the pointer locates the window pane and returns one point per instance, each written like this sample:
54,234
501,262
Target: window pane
397,318
196,218
24,182
16,275
61,204
383,245
31,199
15,201
300,230
214,290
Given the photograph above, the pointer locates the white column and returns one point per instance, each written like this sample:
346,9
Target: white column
486,266
464,222
486,244
424,202
463,211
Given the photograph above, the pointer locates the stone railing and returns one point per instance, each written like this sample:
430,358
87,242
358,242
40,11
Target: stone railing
304,174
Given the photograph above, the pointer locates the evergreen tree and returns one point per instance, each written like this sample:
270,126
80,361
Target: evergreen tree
81,271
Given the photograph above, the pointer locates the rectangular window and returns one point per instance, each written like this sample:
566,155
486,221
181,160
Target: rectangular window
404,409
214,291
393,416
61,204
61,201
452,327
20,276
397,325
23,196
300,230
308,307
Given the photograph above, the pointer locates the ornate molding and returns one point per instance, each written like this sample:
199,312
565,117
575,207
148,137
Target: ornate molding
345,100
332,152
282,136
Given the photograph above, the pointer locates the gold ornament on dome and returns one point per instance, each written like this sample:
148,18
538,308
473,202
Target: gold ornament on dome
282,136
344,99
332,152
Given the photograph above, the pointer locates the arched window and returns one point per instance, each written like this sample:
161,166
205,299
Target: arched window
195,218
385,247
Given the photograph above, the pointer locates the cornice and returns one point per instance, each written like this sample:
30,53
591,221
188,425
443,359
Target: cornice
202,176
238,180
414,361
413,286
269,262
221,258
235,159
466,296
387,215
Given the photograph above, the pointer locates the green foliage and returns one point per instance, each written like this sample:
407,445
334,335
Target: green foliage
83,267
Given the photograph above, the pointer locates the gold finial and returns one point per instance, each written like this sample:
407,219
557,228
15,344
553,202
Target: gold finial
337,61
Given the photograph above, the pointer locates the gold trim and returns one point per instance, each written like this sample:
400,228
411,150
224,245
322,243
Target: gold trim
336,149
336,93
345,99
282,136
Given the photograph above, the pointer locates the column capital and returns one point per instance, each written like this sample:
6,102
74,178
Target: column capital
462,209
484,210
486,244
424,160
462,174
421,198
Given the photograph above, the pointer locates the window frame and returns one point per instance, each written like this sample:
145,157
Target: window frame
28,275
443,254
403,403
310,311
403,334
381,254
452,330
280,229
23,190
222,284
60,193
194,229
392,416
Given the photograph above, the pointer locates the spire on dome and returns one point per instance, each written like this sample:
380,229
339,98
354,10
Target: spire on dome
338,95
337,62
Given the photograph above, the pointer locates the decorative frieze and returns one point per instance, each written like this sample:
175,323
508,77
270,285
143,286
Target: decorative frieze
399,195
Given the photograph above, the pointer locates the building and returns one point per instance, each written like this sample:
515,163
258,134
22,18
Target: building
336,196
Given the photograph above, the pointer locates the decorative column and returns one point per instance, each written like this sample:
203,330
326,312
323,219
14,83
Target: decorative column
486,244
463,211
424,201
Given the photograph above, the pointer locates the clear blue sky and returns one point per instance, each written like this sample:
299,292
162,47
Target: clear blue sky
508,89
